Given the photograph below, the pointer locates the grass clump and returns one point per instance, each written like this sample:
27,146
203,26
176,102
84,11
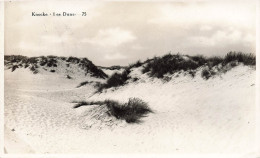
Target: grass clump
89,67
246,59
169,63
116,80
85,103
131,112
14,67
84,83
205,74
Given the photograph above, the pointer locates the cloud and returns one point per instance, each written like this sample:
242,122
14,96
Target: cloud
227,13
123,32
223,37
205,28
115,56
111,37
56,38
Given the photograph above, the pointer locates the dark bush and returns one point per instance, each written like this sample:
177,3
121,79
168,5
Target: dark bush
200,59
63,58
246,59
89,67
136,64
32,60
52,71
213,61
51,56
192,73
52,63
43,62
14,67
206,74
34,70
169,63
73,60
117,79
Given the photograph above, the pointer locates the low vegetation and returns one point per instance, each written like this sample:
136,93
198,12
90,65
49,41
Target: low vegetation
115,80
84,83
12,61
159,66
168,64
156,67
131,112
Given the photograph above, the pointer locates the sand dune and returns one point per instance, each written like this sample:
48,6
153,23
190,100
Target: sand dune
191,115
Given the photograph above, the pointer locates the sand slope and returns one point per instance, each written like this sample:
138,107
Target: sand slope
191,115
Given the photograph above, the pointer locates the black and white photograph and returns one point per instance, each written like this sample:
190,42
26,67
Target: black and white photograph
130,77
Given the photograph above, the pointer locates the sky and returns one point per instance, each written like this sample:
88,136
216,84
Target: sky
122,32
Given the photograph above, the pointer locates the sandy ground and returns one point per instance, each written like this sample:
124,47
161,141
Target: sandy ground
190,115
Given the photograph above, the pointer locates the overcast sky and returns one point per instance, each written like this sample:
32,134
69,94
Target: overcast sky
119,33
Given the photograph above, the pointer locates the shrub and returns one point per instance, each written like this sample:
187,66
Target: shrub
206,74
52,63
52,71
169,63
89,67
34,70
51,56
136,64
14,67
14,58
192,73
32,60
135,79
43,62
200,59
131,112
115,80
213,61
73,60
118,79
246,59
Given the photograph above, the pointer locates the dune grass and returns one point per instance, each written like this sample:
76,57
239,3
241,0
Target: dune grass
159,66
131,112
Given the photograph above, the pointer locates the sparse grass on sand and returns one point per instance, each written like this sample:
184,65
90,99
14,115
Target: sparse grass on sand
171,63
131,112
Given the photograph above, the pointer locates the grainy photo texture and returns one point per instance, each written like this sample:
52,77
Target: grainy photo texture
119,77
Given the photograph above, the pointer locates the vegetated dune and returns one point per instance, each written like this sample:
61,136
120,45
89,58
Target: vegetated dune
193,111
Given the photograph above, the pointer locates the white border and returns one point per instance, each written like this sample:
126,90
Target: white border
1,77
257,78
254,155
